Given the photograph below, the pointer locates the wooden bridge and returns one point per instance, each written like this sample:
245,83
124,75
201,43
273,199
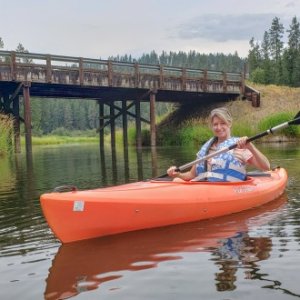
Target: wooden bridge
45,75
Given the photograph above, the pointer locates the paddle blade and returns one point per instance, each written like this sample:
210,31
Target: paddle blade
296,120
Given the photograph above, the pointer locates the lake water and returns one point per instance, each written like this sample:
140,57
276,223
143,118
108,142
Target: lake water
250,255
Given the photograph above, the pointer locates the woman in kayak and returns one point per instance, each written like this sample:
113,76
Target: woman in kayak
228,166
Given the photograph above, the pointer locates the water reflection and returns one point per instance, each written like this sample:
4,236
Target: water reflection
239,251
110,156
139,160
84,266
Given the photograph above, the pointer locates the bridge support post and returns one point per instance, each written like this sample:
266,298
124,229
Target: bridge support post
101,124
112,126
16,124
152,119
125,140
124,123
27,116
138,124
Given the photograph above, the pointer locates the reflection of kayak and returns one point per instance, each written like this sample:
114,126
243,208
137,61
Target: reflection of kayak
79,215
84,265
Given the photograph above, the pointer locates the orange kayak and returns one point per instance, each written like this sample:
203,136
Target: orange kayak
106,259
79,215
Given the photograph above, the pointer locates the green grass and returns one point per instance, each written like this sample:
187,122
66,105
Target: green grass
52,140
243,129
278,118
196,132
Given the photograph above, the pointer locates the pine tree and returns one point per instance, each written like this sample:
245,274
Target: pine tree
276,48
294,35
254,56
20,48
266,62
293,52
296,72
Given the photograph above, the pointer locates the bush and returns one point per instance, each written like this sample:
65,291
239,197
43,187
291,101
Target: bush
61,131
258,75
195,135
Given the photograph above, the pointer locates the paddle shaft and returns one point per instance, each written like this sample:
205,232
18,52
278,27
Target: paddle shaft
255,137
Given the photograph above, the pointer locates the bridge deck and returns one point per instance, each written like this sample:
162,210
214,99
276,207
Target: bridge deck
65,76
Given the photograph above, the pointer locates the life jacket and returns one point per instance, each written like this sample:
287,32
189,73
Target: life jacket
224,166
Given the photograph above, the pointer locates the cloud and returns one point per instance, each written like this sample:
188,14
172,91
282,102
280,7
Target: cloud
291,4
222,28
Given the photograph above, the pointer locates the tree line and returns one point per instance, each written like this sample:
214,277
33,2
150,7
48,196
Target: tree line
192,59
271,60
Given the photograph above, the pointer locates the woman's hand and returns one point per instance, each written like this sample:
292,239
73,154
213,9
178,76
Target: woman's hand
242,142
172,172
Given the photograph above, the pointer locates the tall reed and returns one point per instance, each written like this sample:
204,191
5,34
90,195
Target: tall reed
5,134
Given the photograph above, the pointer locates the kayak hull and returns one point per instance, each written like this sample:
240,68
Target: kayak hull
79,215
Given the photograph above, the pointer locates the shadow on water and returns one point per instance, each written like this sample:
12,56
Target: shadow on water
83,266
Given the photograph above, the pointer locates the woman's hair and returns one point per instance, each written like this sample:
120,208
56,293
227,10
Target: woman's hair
222,113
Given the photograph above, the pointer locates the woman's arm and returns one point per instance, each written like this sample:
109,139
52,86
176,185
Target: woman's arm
258,159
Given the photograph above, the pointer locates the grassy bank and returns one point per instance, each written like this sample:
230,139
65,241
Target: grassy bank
55,139
278,104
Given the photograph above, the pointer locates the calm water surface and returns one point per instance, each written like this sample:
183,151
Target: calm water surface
250,255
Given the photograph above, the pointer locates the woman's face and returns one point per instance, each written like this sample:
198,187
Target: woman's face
220,128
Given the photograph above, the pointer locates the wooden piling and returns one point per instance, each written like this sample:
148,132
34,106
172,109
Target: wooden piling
152,119
27,116
138,124
112,125
101,124
16,125
124,122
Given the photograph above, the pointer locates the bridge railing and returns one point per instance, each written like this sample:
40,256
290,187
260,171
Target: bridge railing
55,69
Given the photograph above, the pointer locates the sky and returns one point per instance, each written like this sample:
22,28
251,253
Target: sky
103,28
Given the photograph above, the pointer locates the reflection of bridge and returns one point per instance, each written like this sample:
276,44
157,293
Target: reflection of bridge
41,75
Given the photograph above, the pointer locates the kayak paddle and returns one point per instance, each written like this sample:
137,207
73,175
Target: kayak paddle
295,121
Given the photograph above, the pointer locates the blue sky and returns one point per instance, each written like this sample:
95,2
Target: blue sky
102,28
